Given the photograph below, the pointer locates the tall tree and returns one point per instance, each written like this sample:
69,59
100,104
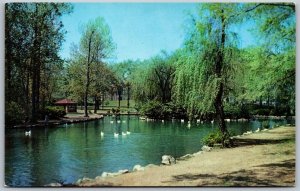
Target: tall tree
95,45
208,61
34,33
273,62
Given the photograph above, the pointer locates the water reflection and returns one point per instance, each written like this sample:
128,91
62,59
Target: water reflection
74,151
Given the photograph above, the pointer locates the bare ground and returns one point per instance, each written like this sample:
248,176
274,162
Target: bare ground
266,158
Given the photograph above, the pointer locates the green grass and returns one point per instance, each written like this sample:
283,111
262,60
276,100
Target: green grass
123,103
106,108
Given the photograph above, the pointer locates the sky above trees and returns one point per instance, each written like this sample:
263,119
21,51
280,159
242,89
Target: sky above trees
140,30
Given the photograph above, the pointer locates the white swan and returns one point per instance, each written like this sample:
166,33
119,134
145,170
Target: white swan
189,125
212,121
123,133
198,121
118,121
124,121
182,120
162,121
28,133
257,130
128,132
116,135
111,121
101,134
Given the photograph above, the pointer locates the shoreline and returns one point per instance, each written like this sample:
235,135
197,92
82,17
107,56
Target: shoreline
93,117
54,123
261,141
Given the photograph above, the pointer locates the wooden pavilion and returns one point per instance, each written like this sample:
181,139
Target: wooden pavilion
69,105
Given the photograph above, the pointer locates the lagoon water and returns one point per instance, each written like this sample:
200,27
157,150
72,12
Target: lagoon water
69,152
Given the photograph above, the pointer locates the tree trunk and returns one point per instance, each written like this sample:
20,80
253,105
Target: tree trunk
260,101
87,77
119,95
128,98
218,102
96,107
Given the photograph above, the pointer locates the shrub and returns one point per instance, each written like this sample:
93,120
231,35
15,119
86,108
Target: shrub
115,111
156,110
152,109
265,125
14,113
53,112
232,111
212,138
263,111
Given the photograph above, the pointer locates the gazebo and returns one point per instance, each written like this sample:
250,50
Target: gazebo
69,105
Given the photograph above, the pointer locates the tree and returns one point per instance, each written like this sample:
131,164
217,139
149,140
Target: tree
123,72
102,79
273,62
95,45
34,34
208,61
153,79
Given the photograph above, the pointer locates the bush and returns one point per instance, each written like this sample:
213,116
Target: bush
156,110
213,138
236,111
14,114
265,125
53,112
232,111
152,109
115,111
263,111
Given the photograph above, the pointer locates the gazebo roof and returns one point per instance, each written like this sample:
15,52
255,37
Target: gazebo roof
65,102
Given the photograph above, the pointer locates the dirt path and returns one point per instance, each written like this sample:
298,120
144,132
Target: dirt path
265,158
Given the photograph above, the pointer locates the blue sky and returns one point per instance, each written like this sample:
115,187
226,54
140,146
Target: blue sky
140,30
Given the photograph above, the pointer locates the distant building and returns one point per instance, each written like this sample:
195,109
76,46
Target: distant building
69,105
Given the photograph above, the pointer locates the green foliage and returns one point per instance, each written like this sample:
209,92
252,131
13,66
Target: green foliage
235,111
14,114
153,79
157,110
33,36
115,111
53,112
214,137
261,111
152,109
265,125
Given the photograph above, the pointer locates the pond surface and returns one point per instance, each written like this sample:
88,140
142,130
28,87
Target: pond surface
69,152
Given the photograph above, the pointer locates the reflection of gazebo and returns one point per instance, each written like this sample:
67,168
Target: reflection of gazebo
69,105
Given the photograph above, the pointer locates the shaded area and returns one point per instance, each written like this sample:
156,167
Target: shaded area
251,141
273,174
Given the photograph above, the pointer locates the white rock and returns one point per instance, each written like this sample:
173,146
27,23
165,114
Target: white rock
197,153
104,174
167,160
138,168
54,184
206,148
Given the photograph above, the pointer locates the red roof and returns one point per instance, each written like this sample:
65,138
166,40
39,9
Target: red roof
65,102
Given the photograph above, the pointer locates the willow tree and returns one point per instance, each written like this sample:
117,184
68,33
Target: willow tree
208,62
95,45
